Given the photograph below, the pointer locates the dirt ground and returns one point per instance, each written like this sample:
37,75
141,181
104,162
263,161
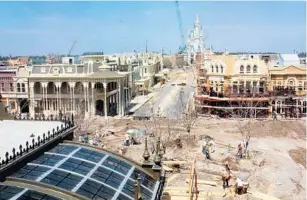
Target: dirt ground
276,164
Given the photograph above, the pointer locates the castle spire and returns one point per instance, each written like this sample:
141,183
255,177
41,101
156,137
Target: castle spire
197,20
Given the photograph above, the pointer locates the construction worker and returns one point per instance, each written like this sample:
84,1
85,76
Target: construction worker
241,186
226,176
127,139
240,151
206,149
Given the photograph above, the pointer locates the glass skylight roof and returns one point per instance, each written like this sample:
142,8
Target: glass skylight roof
92,174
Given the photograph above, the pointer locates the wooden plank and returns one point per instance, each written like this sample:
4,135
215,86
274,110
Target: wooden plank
167,169
212,183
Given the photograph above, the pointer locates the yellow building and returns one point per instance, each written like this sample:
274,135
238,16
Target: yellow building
288,88
230,85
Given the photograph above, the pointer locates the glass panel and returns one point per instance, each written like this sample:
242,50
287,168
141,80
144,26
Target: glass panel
129,188
47,159
107,176
118,165
77,166
146,180
122,197
89,155
62,179
105,193
63,149
95,190
33,195
7,192
30,172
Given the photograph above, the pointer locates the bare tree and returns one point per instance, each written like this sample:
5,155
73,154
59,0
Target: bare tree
81,122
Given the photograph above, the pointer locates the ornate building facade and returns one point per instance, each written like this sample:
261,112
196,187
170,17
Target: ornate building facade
87,89
241,85
99,85
195,41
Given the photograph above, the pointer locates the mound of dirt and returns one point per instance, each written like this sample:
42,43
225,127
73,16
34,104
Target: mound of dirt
298,155
291,129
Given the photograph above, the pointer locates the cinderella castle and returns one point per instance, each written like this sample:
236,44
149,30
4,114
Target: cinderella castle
195,42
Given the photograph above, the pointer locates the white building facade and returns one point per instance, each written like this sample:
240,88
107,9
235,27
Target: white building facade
89,89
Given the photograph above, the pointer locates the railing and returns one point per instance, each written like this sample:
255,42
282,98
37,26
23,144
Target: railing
36,143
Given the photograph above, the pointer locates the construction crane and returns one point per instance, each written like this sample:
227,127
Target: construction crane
72,46
182,48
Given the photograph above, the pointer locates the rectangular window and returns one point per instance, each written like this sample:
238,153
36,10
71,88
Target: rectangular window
11,87
241,87
2,87
248,86
254,86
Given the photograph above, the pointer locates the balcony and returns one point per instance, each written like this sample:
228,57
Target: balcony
280,91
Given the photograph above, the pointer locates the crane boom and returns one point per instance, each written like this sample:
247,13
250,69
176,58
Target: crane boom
182,48
73,45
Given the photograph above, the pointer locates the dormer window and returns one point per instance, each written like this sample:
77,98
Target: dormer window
69,69
43,69
56,70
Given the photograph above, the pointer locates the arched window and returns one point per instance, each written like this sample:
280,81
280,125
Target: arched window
23,87
217,69
222,69
18,87
248,69
255,69
241,69
290,83
212,69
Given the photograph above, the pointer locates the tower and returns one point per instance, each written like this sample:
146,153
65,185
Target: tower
195,41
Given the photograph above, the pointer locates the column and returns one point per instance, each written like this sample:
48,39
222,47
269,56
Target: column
119,100
85,85
57,99
31,107
73,101
93,101
105,100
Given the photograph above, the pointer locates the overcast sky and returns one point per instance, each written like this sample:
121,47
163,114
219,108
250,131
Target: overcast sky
37,28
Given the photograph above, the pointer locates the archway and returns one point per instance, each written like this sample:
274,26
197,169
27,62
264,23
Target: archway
79,88
65,89
99,107
51,89
24,105
98,87
38,88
